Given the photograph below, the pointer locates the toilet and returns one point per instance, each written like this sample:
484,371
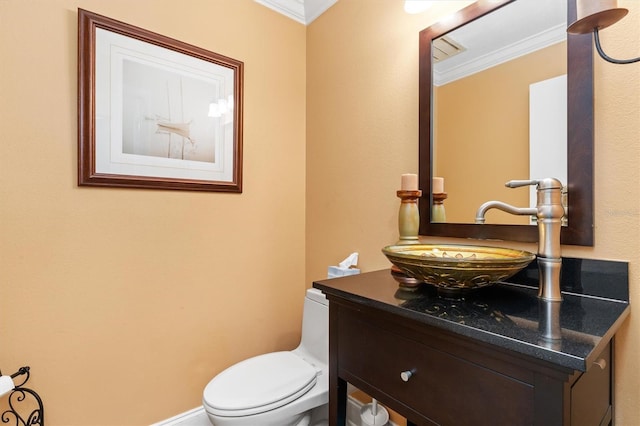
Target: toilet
289,388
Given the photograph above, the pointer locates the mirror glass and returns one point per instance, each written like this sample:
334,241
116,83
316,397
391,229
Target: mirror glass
496,104
487,78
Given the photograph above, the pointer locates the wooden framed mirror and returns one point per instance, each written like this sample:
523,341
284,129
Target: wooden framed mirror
579,136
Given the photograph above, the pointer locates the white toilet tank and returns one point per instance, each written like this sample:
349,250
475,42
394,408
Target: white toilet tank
315,327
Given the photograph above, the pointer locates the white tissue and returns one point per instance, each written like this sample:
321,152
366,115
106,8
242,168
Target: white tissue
351,260
6,384
344,268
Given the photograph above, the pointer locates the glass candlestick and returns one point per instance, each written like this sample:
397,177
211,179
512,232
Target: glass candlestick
409,216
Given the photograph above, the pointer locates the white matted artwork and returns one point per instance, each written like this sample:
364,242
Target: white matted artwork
155,112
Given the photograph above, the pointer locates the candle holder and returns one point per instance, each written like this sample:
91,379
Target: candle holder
437,210
409,216
406,283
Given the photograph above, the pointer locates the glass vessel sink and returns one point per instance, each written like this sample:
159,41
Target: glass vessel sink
455,268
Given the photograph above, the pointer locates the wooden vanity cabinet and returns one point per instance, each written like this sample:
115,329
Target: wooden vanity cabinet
453,380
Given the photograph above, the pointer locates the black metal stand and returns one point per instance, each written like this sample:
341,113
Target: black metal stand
23,397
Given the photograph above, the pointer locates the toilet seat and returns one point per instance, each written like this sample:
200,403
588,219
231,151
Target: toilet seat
259,384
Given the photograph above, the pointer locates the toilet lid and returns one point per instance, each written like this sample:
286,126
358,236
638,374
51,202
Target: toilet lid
259,384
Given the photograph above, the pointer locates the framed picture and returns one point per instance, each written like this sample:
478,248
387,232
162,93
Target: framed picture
154,112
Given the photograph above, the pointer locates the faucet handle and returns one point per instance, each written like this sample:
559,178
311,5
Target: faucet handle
546,183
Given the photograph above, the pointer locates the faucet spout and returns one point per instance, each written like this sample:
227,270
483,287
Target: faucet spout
549,212
482,210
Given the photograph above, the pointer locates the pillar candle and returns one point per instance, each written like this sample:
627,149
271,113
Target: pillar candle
409,182
438,185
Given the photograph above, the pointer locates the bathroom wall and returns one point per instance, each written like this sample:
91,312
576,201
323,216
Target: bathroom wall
362,134
125,302
362,126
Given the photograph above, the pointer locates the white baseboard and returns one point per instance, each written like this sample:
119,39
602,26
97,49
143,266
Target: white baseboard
198,417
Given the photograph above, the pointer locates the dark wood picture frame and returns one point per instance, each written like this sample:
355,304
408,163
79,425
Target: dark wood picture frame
221,171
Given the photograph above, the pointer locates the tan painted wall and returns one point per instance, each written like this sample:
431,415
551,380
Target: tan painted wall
362,134
482,134
362,126
125,303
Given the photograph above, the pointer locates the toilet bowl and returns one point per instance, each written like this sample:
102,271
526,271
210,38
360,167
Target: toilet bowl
289,388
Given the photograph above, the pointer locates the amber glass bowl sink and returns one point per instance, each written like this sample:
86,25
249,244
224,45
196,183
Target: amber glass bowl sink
453,267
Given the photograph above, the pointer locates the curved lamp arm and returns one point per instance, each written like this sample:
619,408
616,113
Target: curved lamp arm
595,15
608,58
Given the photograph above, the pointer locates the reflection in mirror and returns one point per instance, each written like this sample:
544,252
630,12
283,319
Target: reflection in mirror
496,89
504,94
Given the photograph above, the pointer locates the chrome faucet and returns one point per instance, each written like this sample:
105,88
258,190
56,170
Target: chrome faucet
549,212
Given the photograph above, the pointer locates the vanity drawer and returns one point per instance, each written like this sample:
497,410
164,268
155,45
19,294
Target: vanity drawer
445,389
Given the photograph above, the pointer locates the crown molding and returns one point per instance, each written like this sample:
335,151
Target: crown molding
541,40
303,11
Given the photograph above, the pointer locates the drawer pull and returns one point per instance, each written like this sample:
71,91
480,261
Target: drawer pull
406,375
602,363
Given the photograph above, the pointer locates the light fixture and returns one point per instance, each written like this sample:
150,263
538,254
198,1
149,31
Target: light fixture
18,396
594,15
416,6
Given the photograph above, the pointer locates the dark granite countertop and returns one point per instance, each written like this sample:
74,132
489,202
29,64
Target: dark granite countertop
510,315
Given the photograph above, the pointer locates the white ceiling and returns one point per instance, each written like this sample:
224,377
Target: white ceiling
303,11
